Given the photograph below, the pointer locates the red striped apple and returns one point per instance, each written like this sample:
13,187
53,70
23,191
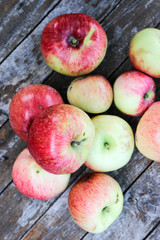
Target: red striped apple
60,138
144,51
113,144
27,103
95,202
73,44
134,92
92,93
33,181
147,136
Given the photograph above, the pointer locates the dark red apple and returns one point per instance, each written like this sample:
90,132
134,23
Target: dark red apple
73,44
27,103
60,138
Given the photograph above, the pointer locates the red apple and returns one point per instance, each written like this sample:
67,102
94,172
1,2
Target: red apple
60,138
134,92
73,44
95,202
27,103
148,133
33,181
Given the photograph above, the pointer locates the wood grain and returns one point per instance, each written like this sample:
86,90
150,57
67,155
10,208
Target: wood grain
18,19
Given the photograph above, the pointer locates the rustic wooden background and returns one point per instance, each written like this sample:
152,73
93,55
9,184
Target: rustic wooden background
21,26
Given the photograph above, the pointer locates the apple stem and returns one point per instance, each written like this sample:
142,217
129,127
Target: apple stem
106,144
76,143
73,41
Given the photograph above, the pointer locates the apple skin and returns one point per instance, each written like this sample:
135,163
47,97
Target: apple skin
60,138
33,181
27,103
147,137
73,44
134,92
95,202
113,144
144,51
93,94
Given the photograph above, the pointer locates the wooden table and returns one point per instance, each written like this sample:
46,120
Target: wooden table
21,26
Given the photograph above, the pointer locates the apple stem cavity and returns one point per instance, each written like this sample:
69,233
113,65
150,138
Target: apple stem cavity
106,144
73,41
76,143
148,95
106,209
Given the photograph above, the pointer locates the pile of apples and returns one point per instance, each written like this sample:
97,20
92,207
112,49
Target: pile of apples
62,137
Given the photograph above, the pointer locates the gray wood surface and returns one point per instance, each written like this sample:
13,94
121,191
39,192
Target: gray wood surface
21,26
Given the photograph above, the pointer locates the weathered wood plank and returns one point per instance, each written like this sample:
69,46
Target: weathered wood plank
54,224
155,234
19,18
25,65
10,147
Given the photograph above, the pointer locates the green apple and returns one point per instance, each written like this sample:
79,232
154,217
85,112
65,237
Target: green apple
95,202
93,93
144,51
113,144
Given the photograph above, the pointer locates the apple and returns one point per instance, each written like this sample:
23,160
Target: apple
113,144
95,202
134,92
27,103
73,44
147,137
144,51
33,181
60,138
93,93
